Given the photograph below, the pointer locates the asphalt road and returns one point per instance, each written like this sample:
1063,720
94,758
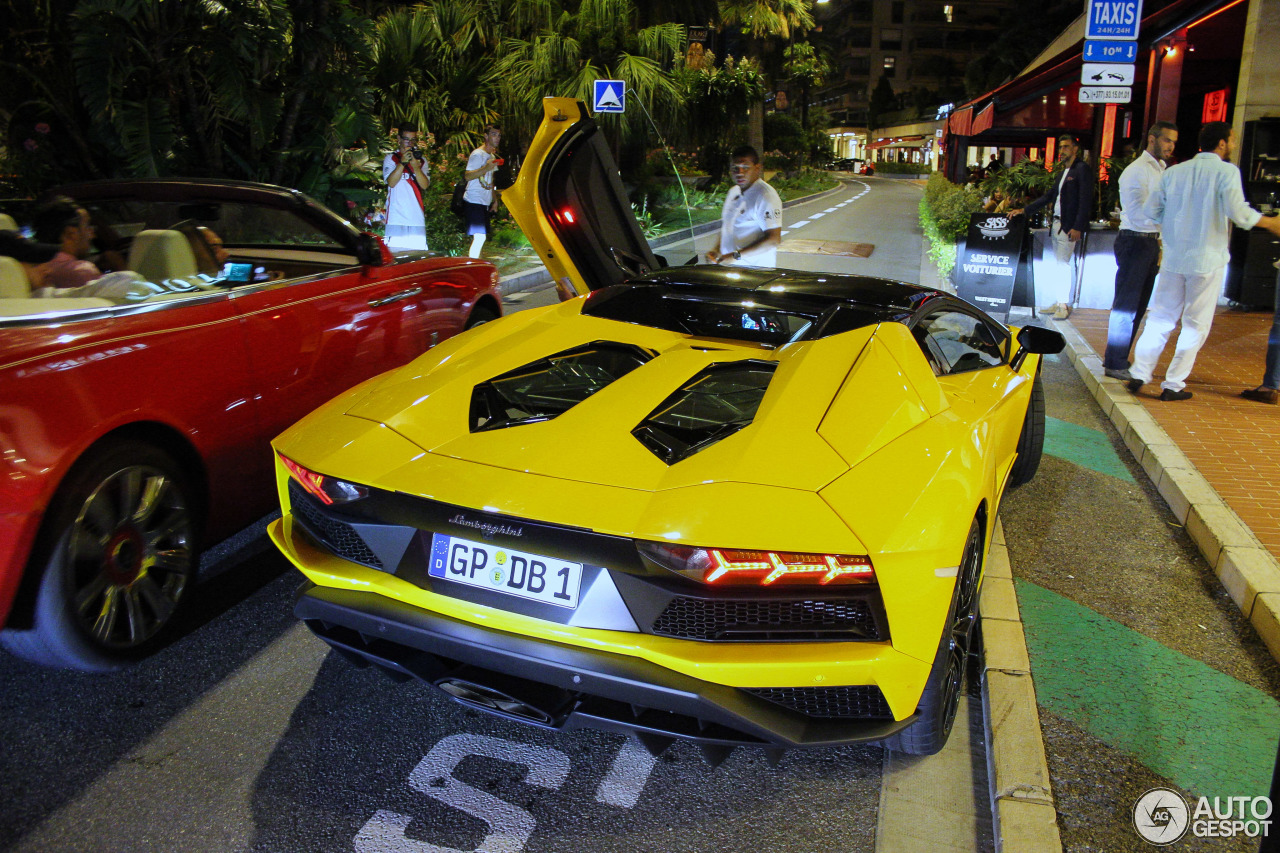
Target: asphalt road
246,734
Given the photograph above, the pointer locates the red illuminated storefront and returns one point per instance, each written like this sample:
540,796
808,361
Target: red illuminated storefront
1187,69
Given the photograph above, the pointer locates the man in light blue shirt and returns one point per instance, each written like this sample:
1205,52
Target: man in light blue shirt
1195,202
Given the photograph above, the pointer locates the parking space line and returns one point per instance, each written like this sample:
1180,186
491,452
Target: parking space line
625,780
1199,727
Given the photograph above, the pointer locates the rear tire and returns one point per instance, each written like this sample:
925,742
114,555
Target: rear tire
1031,441
116,558
480,315
942,691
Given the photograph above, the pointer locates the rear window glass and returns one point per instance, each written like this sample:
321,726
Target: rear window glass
717,311
543,389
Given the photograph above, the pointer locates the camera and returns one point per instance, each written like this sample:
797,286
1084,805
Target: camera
417,153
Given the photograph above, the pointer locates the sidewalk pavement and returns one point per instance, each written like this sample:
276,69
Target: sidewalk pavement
1214,458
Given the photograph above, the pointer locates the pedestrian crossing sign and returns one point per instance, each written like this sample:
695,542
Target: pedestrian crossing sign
610,96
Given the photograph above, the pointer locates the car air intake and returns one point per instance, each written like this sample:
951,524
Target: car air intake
756,620
551,386
710,407
338,536
864,702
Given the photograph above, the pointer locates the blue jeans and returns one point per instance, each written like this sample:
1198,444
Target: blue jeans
1272,377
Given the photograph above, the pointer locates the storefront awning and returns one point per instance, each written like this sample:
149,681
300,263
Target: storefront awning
961,121
899,142
984,119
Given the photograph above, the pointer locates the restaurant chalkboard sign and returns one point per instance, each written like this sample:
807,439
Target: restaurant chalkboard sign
988,262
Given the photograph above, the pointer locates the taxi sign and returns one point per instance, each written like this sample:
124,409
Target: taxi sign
1106,74
609,96
1111,51
1106,94
1113,20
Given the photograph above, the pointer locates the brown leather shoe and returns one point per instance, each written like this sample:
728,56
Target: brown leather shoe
1261,394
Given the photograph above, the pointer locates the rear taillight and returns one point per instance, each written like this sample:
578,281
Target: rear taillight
733,566
327,490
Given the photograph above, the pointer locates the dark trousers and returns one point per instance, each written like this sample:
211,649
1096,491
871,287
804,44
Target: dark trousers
1272,377
1137,259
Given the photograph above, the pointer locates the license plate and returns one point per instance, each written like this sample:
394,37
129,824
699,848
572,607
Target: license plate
505,570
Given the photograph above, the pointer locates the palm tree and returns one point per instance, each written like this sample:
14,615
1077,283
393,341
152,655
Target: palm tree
806,68
430,65
576,43
761,21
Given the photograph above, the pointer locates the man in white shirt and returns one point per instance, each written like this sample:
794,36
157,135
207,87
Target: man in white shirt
1195,204
1137,248
405,171
480,197
751,222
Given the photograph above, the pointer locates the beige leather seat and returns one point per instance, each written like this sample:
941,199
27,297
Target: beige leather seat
161,255
13,279
7,223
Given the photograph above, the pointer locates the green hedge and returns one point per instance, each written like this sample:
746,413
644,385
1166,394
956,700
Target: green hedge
944,217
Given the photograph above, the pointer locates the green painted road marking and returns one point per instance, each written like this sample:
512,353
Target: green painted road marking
1088,448
1206,731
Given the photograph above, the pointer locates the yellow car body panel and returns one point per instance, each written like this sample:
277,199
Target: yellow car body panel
855,447
736,664
524,201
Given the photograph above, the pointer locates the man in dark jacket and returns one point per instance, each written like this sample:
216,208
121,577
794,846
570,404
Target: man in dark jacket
1071,200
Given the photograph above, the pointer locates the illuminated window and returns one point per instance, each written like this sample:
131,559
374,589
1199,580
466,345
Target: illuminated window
948,12
890,65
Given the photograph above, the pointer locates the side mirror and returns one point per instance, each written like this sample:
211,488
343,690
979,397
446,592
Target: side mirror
369,250
1038,340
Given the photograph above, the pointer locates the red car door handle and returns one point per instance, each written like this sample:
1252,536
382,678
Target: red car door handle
395,297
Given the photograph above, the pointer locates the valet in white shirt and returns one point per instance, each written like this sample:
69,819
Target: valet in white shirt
751,222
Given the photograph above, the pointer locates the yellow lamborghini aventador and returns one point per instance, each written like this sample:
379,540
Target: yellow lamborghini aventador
726,505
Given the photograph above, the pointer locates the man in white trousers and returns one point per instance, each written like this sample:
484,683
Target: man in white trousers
1195,202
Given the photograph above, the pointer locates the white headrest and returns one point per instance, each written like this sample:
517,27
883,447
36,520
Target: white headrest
7,223
13,279
159,255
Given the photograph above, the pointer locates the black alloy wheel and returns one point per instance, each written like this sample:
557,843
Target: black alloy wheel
120,556
479,316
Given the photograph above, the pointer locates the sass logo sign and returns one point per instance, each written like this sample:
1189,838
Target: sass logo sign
994,228
1113,19
609,96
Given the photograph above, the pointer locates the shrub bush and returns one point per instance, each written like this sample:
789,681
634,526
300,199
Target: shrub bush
944,217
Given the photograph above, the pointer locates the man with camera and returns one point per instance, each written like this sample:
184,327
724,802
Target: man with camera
405,171
481,198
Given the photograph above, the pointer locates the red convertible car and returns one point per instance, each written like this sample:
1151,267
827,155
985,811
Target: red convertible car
136,412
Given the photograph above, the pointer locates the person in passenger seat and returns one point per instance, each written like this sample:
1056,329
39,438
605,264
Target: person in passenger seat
33,256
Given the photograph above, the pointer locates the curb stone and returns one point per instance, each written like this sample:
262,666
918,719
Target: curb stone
536,277
1022,807
1248,571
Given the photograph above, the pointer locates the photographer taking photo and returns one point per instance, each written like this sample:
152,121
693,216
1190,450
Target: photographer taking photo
405,171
